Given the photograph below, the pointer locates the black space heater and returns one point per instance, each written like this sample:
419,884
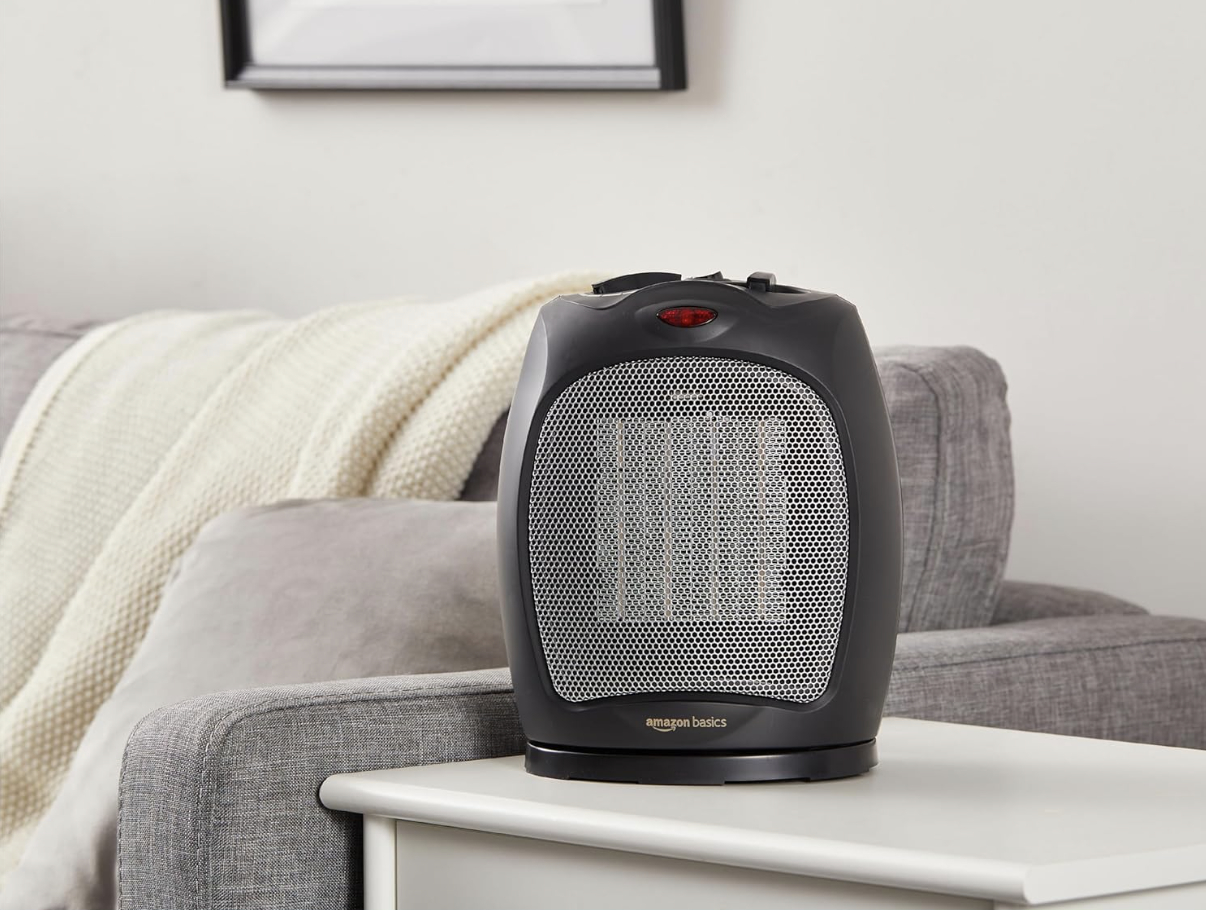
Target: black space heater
699,534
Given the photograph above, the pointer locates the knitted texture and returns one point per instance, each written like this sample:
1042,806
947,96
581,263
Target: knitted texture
145,430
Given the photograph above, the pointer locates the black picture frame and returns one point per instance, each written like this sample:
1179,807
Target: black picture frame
669,72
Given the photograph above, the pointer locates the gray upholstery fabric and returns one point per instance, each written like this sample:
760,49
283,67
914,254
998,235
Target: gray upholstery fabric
1019,601
1134,678
290,593
28,345
951,426
482,484
219,804
219,795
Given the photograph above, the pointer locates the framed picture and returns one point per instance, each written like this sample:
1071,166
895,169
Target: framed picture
454,44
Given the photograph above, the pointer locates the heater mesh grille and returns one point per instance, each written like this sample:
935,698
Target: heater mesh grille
688,529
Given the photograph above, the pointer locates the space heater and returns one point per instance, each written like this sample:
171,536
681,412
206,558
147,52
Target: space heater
699,534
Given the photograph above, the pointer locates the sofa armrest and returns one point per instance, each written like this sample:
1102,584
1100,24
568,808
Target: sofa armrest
1130,677
219,794
1019,601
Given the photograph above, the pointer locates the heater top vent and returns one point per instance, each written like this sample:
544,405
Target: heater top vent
688,531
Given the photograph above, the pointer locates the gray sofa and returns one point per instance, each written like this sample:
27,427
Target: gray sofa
218,794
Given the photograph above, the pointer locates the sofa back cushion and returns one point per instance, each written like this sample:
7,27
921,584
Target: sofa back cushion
28,345
950,423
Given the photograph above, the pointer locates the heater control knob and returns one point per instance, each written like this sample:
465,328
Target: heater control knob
761,281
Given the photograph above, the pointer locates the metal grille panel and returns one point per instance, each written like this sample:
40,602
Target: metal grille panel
688,529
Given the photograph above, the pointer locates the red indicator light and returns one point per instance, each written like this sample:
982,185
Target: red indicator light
686,317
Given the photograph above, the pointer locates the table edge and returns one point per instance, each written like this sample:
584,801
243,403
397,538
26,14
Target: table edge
693,841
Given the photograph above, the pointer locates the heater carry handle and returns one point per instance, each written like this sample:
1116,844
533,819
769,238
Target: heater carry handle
634,282
758,282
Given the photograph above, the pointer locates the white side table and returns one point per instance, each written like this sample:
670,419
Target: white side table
954,816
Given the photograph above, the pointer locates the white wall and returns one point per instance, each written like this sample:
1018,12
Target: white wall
1028,177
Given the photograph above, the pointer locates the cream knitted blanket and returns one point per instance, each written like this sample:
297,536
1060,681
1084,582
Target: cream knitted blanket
146,429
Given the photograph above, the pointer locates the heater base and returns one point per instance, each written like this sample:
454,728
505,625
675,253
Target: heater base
700,767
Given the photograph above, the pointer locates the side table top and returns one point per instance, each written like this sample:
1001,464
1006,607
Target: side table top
998,814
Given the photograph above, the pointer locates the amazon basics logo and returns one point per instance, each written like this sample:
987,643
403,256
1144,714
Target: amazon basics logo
670,724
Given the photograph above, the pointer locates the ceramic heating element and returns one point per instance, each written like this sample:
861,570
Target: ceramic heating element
699,531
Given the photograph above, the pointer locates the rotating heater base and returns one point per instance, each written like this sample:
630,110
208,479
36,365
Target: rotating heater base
700,767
